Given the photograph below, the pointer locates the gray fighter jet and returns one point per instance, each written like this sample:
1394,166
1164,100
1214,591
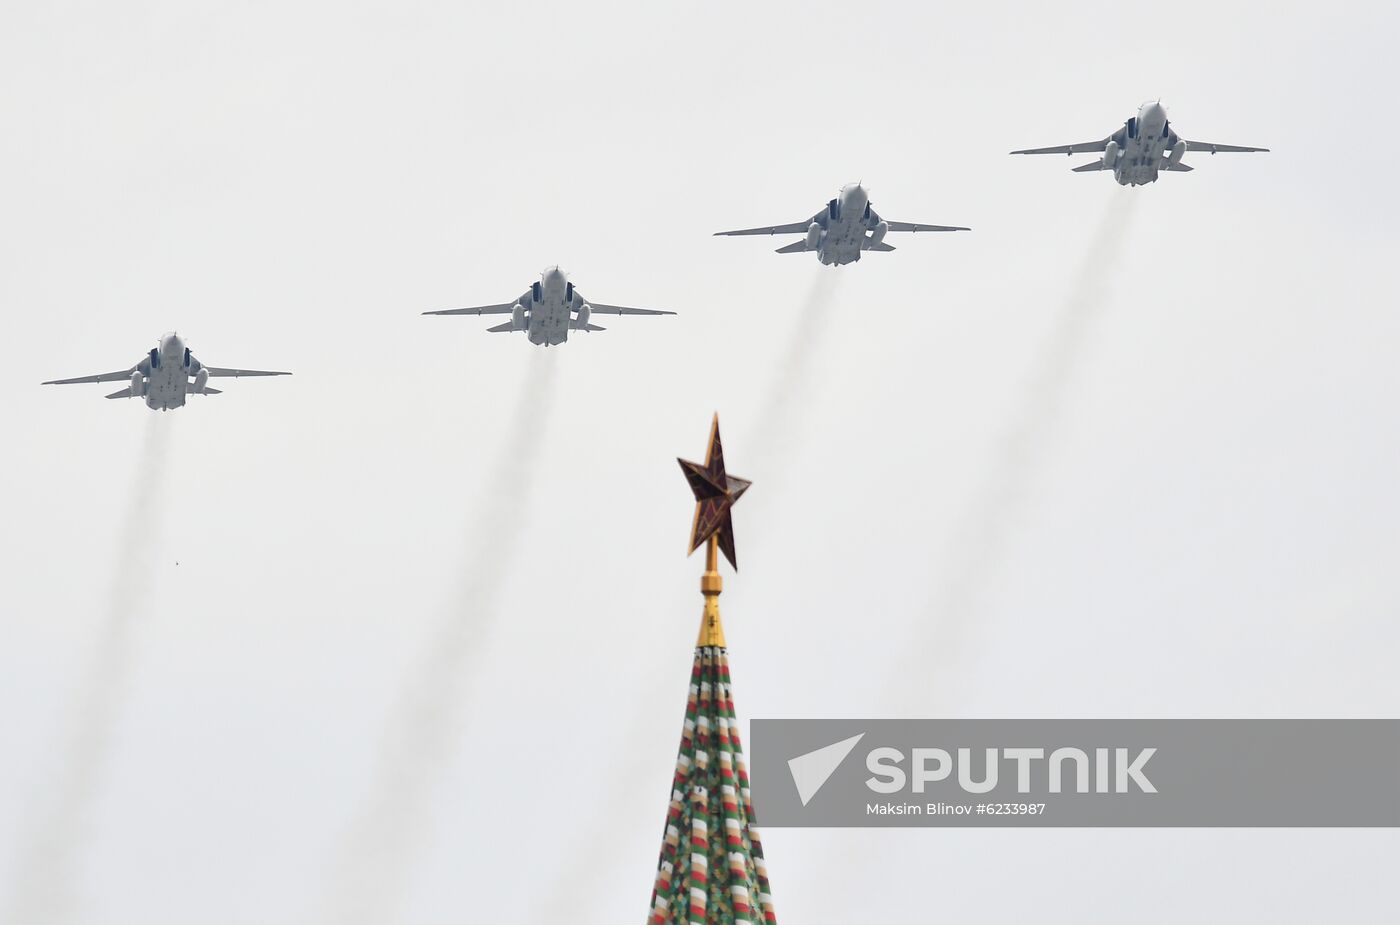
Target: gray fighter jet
843,229
1145,145
166,375
549,310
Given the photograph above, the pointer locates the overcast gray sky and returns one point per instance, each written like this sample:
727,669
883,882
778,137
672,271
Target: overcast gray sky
1014,472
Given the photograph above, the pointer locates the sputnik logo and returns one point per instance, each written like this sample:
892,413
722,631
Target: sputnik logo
811,771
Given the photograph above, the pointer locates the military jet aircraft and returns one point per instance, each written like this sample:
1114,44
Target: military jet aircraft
166,375
1145,145
549,310
842,230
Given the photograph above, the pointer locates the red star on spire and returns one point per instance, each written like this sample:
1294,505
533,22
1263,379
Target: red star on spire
715,493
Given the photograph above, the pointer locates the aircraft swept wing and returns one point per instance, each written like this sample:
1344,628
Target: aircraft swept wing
221,371
1213,148
600,309
117,376
504,308
794,228
915,226
1084,147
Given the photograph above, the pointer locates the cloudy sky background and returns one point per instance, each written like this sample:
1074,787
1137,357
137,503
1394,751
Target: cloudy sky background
405,637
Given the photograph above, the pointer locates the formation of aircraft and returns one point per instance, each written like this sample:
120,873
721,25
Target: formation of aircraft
1138,152
549,310
166,375
840,232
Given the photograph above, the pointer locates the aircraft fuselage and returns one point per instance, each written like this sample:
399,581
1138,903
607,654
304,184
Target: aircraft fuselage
166,379
844,235
548,318
1143,146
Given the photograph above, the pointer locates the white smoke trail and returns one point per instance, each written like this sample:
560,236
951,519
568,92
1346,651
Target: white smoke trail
371,882
575,886
982,532
778,427
48,874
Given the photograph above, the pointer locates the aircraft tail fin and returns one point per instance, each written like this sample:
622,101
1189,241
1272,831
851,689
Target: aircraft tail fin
882,246
124,393
1096,165
500,328
1178,167
796,247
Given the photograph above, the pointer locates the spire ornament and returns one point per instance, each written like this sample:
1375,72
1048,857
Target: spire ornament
715,494
716,491
711,870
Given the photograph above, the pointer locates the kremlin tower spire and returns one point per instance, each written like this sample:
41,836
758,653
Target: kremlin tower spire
711,870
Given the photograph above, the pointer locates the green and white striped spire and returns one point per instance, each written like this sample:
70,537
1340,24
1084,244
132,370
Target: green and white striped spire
711,870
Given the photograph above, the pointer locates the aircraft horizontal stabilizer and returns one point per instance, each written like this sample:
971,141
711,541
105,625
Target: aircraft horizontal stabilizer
502,328
1096,165
1178,167
796,247
209,391
882,246
592,327
124,393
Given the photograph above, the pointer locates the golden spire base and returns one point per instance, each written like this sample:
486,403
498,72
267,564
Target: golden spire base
711,584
